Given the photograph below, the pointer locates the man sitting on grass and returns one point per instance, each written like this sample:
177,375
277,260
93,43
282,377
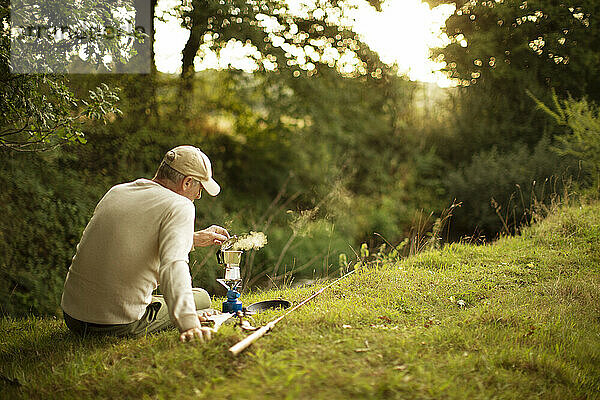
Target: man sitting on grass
140,235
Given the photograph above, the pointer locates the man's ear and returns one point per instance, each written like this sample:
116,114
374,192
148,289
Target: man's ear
187,182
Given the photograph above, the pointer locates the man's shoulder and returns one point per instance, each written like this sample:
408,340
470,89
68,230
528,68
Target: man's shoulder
144,186
125,186
144,190
138,183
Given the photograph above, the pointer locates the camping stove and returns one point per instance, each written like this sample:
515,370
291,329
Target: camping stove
233,280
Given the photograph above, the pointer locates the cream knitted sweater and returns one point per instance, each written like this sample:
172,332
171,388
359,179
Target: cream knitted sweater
140,235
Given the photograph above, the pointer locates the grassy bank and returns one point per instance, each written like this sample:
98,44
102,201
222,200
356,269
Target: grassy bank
519,318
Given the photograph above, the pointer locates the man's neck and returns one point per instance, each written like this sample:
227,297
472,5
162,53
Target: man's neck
165,183
172,187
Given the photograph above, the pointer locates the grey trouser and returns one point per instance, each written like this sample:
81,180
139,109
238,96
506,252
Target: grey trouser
156,318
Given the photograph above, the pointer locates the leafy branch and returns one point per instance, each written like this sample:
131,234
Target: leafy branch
44,120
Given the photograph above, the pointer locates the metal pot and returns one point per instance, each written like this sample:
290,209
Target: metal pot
229,257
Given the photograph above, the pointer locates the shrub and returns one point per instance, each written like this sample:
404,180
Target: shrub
44,213
582,140
498,190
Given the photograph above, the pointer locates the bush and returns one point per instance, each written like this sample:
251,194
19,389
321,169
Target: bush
498,190
582,140
44,213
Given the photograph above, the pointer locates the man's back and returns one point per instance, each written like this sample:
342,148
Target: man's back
136,228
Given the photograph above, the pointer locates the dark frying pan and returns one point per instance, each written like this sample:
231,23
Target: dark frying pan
261,306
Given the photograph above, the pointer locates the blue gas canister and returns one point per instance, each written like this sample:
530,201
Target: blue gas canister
232,305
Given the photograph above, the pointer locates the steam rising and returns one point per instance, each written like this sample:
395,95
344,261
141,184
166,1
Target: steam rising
253,240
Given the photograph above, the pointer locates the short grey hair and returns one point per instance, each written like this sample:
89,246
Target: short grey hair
164,171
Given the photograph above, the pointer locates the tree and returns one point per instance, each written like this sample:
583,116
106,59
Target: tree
501,49
496,137
520,44
40,112
297,41
38,109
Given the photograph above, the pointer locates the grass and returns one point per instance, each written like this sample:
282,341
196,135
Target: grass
519,318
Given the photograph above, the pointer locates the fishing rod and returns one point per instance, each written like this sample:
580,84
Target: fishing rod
244,343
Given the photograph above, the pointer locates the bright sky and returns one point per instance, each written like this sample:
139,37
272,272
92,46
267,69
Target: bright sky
402,33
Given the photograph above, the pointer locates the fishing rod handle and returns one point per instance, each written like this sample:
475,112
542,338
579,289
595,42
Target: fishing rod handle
243,344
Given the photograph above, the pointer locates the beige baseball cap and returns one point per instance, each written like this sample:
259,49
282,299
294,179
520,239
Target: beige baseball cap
190,161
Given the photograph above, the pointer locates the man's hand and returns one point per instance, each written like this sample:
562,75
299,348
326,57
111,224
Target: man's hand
209,236
202,334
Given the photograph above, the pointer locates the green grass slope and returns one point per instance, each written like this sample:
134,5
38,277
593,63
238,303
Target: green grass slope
519,318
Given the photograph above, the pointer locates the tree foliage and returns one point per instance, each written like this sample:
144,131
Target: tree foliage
582,139
524,44
40,111
301,40
497,138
